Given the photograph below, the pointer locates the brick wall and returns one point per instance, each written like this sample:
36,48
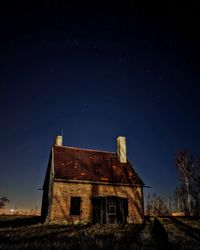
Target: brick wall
62,192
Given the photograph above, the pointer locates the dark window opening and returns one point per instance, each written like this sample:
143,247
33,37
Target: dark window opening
75,208
112,207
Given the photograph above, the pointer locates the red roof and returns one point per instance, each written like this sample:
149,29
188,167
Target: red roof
82,164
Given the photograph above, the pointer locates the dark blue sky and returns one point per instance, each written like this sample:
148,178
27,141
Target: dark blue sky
98,71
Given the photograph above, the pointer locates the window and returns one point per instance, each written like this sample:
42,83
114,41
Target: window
111,207
75,208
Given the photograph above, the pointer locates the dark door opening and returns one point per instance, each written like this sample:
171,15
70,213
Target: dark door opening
110,209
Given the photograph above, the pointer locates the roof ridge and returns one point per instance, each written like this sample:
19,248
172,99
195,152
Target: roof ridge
85,149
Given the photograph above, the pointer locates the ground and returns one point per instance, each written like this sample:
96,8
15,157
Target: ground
155,233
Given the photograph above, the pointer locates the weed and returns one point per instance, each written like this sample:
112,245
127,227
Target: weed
159,233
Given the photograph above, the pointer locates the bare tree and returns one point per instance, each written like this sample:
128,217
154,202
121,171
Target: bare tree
184,164
187,194
180,198
3,201
196,186
169,202
155,205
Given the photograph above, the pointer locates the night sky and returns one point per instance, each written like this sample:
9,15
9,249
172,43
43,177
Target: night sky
97,70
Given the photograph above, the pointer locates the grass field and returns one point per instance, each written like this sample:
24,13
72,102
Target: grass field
155,233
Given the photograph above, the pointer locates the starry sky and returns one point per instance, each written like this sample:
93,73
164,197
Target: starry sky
97,70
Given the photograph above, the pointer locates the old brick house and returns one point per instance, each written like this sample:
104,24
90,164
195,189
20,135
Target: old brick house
93,186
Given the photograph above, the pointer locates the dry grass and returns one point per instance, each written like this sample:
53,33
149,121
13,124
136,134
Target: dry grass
161,233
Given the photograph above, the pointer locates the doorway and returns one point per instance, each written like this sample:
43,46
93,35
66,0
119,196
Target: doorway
110,210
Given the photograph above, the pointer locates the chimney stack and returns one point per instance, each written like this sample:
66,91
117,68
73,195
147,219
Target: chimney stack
58,140
121,149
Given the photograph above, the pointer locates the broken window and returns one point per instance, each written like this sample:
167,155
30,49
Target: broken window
75,208
112,207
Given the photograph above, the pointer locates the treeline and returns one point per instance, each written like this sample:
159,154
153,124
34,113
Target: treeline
157,206
186,197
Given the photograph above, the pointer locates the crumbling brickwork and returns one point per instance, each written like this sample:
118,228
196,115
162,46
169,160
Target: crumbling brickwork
63,191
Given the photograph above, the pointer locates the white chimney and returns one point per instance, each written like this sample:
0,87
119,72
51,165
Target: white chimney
121,149
58,140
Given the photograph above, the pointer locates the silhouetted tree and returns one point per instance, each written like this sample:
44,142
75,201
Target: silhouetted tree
155,205
180,198
184,164
196,187
169,202
187,194
3,201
